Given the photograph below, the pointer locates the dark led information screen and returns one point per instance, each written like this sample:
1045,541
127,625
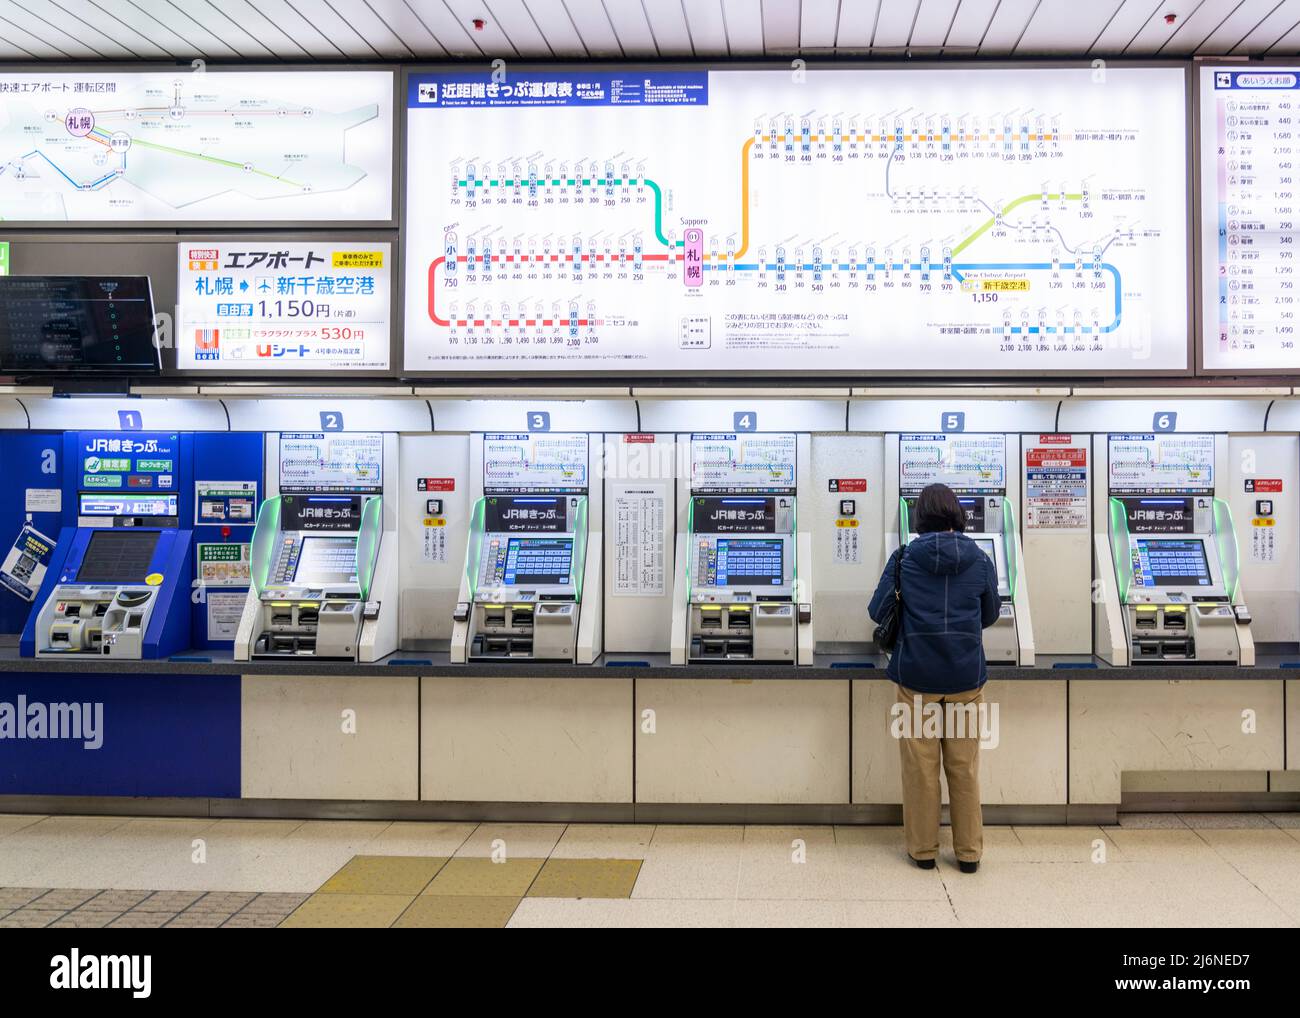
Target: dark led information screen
77,323
118,556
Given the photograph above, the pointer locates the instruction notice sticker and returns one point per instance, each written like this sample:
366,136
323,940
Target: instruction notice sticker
24,567
1056,487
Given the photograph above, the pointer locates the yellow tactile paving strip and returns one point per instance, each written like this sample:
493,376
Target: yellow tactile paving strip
433,891
586,878
384,874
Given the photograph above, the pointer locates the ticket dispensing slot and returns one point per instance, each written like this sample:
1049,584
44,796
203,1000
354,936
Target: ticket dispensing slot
313,564
524,571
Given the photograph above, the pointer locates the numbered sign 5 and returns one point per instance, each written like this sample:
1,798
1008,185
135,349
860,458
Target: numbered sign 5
744,420
539,420
331,420
952,420
130,420
1164,420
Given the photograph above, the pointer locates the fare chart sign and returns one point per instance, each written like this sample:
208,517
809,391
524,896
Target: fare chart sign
906,220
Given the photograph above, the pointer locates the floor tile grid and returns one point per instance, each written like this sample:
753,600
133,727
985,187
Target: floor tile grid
151,908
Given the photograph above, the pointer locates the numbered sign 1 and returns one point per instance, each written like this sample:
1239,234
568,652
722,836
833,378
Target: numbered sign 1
130,420
539,420
1164,420
952,420
744,420
331,420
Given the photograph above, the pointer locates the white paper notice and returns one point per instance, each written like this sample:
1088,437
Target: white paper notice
224,609
435,539
638,521
1263,546
44,500
848,546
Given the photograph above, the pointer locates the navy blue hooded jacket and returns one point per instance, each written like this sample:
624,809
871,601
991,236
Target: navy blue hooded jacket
950,595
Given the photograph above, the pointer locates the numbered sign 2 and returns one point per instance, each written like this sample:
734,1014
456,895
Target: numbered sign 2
744,420
1164,420
539,420
130,420
331,420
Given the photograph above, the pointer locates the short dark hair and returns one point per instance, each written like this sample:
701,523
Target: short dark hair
937,508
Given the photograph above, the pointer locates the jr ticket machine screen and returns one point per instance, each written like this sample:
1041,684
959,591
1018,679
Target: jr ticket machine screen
527,548
741,547
1175,551
316,549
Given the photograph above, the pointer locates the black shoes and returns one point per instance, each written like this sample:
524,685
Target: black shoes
928,864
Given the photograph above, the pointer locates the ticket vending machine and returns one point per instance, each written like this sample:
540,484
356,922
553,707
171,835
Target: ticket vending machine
737,569
529,553
118,582
1172,550
974,466
323,577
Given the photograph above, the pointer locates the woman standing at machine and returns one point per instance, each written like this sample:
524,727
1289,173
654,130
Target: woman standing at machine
944,590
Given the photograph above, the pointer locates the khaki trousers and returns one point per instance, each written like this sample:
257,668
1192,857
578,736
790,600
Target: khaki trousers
921,792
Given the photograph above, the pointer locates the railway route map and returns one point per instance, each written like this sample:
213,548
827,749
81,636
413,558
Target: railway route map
992,220
181,146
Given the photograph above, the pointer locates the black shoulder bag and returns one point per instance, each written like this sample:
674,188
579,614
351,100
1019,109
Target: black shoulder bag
886,634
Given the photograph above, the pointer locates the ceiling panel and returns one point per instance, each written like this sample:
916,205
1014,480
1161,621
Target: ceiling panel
632,26
554,22
1272,28
1007,26
744,26
894,26
818,21
857,24
290,35
221,27
706,25
517,22
541,30
330,24
592,22
143,23
1156,34
1068,28
971,22
408,27
14,35
1237,25
1194,29
438,20
1125,24
668,25
490,39
367,24
202,42
932,23
58,41
83,17
1288,45
780,25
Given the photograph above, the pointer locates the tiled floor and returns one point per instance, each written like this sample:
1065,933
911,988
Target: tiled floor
1150,870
